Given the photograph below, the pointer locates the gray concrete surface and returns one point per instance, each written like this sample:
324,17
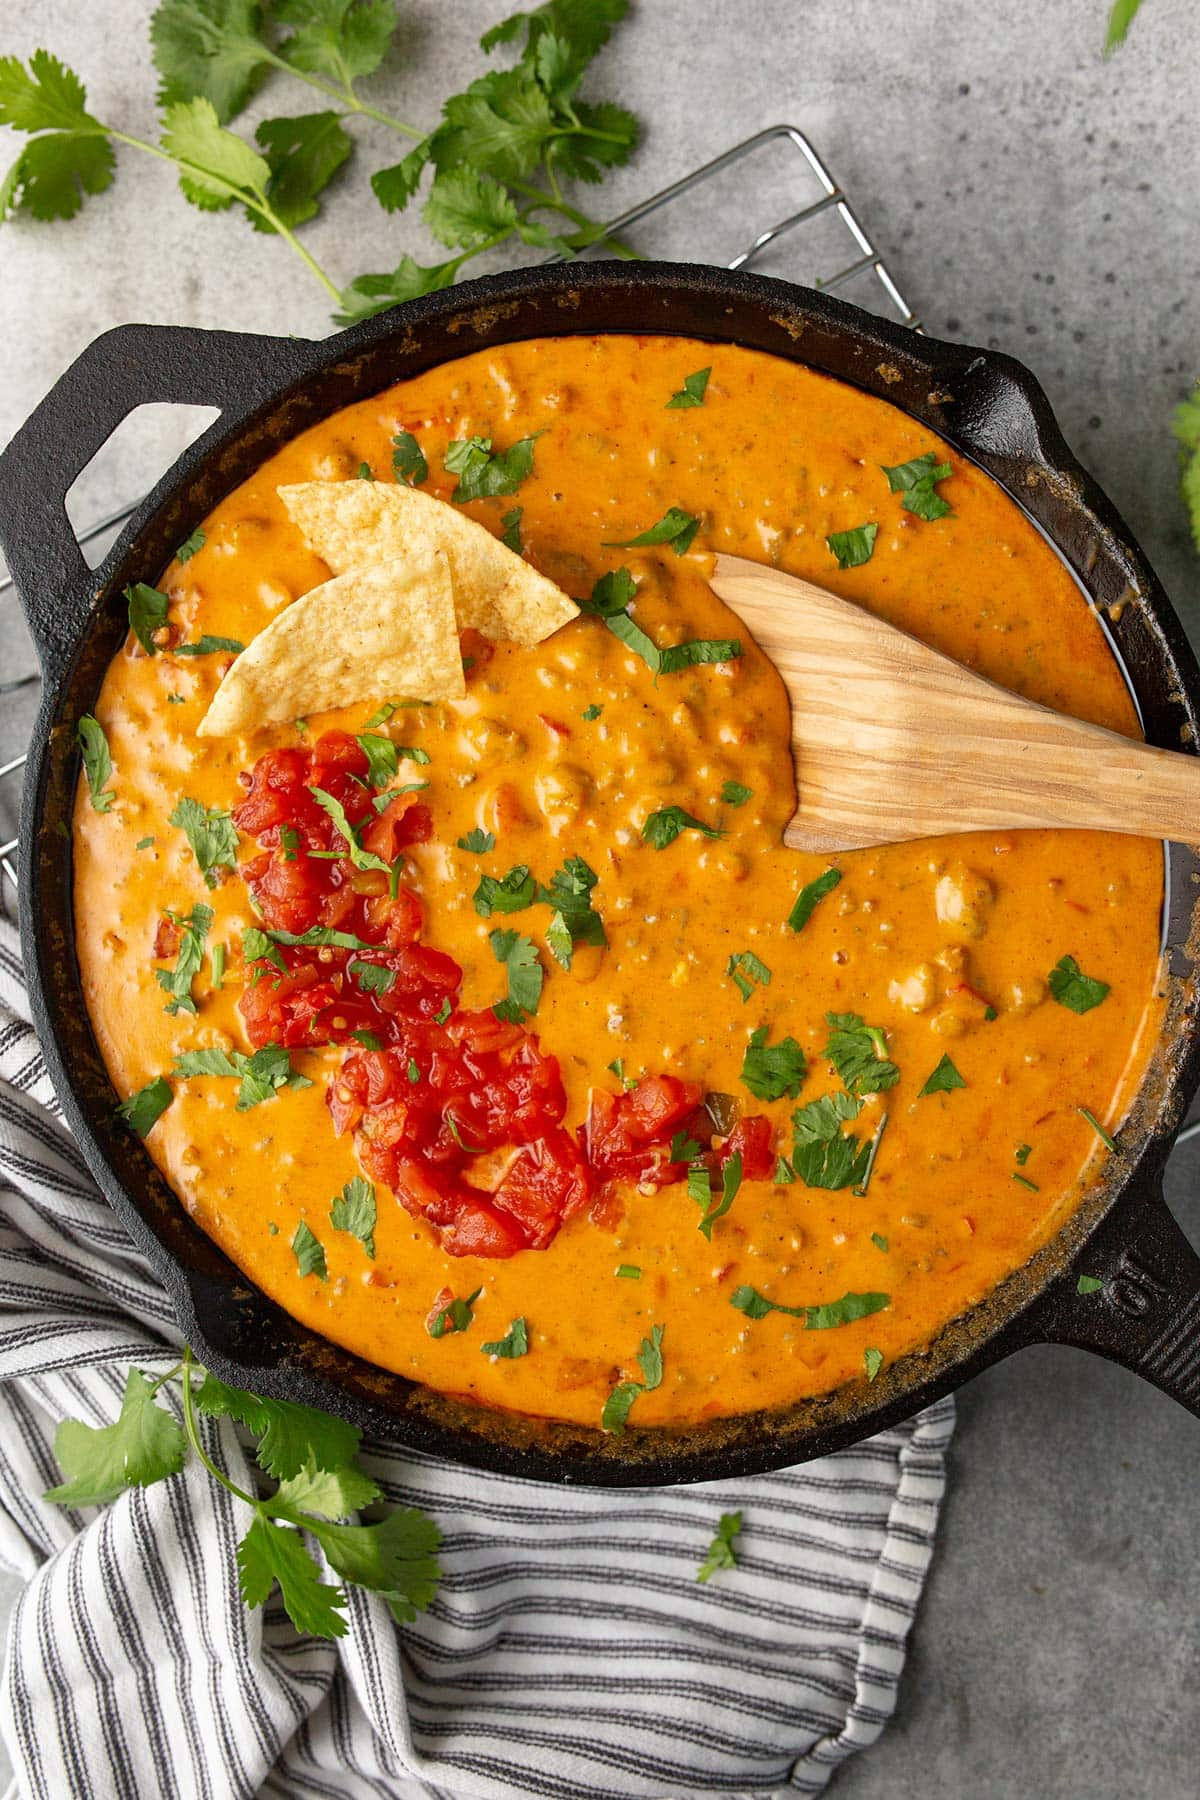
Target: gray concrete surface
1032,196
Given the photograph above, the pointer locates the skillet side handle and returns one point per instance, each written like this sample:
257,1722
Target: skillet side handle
1146,1316
121,370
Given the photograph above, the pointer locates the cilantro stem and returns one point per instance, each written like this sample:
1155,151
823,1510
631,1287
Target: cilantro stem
255,202
345,93
162,1380
596,233
193,1435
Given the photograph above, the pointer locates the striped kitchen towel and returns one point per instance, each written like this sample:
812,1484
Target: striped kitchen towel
569,1653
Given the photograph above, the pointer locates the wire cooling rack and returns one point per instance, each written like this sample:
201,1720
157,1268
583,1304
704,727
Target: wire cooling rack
819,238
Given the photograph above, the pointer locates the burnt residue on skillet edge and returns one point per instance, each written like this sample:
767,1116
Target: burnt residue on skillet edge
993,411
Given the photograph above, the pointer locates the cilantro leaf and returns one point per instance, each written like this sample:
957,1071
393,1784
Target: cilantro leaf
309,1252
147,614
303,154
177,982
872,1362
734,794
525,973
575,920
454,1315
809,897
396,1558
771,1071
855,547
217,167
1089,1284
1185,425
731,1181
684,1149
290,1437
720,1553
478,842
97,761
663,827
371,294
271,1553
674,657
373,978
1072,988
261,1074
354,1210
143,1445
823,1156
382,758
615,1412
144,1109
209,646
1106,1138
511,894
330,1493
676,528
692,391
408,459
943,1080
514,1343
465,209
211,834
917,482
73,158
483,475
194,542
825,1317
359,858
344,39
511,529
611,594
211,48
1119,20
395,186
856,1052
743,969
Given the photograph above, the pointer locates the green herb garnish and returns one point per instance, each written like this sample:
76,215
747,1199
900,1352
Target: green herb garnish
676,528
147,614
355,1210
826,1317
510,529
514,1343
519,957
664,826
309,1253
513,893
481,474
809,897
872,1362
479,843
917,482
771,1071
823,1156
144,1109
943,1080
210,646
97,764
1072,988
1109,1142
177,982
692,391
744,969
855,547
720,1553
211,834
615,1414
190,545
734,794
408,459
628,1272
1089,1284
261,1075
857,1053
455,1315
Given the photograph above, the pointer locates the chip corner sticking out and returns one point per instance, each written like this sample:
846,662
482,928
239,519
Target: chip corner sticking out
387,629
353,523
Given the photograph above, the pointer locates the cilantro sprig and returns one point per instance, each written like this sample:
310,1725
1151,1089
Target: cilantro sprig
720,1553
609,601
312,1459
499,154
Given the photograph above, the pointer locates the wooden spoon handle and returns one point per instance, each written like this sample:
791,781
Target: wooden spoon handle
893,740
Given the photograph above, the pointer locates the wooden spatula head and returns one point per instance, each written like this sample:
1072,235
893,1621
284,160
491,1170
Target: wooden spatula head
893,740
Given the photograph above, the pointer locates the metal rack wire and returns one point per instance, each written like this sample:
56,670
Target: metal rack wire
807,172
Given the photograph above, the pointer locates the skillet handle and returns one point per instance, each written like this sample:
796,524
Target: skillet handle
121,370
1147,1314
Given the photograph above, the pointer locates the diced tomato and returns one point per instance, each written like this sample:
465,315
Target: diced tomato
403,821
546,1185
751,1140
629,1135
166,937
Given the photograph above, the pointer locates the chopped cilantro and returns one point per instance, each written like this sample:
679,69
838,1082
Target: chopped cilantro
354,1210
359,858
731,1181
408,459
1097,1127
455,1315
823,1156
734,794
771,1071
97,764
143,843
1072,988
744,969
177,982
211,834
1024,1181
676,528
309,1252
664,826
511,894
575,919
481,474
147,614
1023,1153
368,1039
872,1361
879,1241
519,957
514,1343
216,959
477,842
861,1186
826,1317
510,529
684,1149
443,1012
262,1074
210,646
382,758
591,712
615,1414
917,482
610,600
692,391
1088,1284
944,1078
720,1553
190,545
628,1272
365,472
372,977
809,897
146,1107
857,1053
379,717
853,548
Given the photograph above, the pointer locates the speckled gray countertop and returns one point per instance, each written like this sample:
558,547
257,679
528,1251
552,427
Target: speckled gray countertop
1030,196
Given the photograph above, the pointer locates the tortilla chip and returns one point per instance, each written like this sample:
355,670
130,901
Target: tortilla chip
388,629
353,523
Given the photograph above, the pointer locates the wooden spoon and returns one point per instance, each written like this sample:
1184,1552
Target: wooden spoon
894,741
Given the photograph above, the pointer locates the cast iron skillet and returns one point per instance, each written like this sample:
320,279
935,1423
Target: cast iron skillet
268,389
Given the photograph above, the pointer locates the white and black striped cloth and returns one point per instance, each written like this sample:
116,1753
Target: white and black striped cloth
569,1653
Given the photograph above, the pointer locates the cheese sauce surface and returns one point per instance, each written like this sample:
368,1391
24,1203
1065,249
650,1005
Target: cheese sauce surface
564,750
